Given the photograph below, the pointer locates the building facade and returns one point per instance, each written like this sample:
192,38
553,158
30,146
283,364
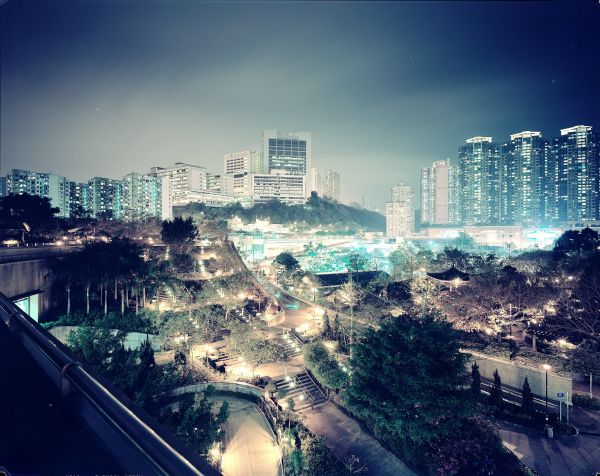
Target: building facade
400,212
290,189
573,176
439,193
326,183
524,159
46,185
479,172
79,200
142,197
106,198
288,153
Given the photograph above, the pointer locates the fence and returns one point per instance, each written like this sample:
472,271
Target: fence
513,375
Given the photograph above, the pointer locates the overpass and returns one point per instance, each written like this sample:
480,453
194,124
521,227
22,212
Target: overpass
59,417
26,277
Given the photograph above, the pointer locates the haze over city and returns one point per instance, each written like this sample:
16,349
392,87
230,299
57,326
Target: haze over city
104,88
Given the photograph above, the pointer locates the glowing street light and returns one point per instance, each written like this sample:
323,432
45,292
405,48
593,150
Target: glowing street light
546,367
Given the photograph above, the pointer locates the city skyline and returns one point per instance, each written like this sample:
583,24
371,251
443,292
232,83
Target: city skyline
158,100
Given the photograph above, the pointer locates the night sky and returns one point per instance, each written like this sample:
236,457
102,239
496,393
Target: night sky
106,88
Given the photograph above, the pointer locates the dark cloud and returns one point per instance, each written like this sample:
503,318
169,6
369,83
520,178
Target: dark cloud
104,88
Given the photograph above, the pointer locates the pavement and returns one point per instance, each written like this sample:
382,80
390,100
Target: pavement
250,447
343,434
345,437
561,456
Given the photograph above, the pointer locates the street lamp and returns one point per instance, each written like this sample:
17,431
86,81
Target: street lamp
546,367
314,291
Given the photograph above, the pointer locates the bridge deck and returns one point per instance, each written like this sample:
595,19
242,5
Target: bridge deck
39,432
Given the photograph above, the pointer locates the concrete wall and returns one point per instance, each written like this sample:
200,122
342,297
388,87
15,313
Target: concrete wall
24,277
132,341
233,387
513,375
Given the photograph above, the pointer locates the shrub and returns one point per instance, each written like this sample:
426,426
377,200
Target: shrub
323,366
585,401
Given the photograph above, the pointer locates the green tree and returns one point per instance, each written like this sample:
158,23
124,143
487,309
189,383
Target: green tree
416,364
287,260
295,466
336,329
34,210
464,241
586,359
323,366
179,234
326,328
320,461
496,391
356,262
475,381
527,397
65,270
199,426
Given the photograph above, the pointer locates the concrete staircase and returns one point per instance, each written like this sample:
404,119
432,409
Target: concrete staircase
301,388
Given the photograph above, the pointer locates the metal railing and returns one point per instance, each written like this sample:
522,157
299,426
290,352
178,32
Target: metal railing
134,444
34,253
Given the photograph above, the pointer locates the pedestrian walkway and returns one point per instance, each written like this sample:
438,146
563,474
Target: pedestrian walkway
560,456
345,438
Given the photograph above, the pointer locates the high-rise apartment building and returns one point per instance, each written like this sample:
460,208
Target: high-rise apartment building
439,193
3,186
479,181
326,183
79,199
573,176
524,159
181,183
365,202
47,185
400,212
106,198
142,198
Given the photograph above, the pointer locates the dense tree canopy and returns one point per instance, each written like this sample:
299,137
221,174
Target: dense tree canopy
408,380
31,209
324,366
316,211
180,234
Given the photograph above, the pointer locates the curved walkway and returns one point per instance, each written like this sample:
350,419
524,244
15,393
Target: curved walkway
250,447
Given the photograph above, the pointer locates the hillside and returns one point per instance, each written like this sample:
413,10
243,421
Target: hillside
316,211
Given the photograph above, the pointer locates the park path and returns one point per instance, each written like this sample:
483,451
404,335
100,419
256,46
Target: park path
560,456
345,437
250,447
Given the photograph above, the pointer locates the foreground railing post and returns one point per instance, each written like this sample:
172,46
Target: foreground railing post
65,384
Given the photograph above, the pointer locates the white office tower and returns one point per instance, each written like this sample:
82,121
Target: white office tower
182,183
400,212
439,193
287,154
